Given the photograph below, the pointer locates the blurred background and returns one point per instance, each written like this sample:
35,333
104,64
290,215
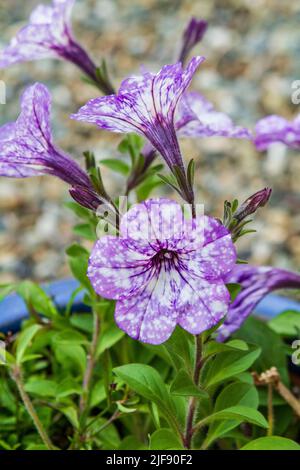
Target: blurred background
252,57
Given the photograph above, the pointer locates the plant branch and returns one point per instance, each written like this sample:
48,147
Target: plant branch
193,401
270,410
16,375
83,403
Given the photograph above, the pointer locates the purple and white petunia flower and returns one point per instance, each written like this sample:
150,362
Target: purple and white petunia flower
256,283
145,105
49,35
192,35
272,129
27,148
197,117
164,270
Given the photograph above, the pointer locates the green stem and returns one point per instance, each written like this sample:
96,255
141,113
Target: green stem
84,399
270,410
193,401
16,375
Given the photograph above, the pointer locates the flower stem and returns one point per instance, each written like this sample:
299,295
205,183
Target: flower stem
193,400
83,404
270,410
16,375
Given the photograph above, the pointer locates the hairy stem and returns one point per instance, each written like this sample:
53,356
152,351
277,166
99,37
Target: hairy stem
16,375
193,400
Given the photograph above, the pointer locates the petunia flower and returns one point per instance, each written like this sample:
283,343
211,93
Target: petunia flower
192,35
274,128
256,283
145,105
197,117
27,148
164,270
49,35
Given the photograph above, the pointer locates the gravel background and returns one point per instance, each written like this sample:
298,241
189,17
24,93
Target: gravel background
252,49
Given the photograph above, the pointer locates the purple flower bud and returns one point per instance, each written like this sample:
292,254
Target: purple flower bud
193,34
86,197
250,206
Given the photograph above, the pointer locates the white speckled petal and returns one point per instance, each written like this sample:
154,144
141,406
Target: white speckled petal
202,305
153,224
116,271
151,316
272,129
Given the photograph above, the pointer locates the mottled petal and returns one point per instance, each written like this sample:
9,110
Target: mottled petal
115,271
153,224
202,305
151,316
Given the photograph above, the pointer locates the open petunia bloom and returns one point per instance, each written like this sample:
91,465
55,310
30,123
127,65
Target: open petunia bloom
27,148
49,35
272,129
164,270
197,117
192,35
145,105
256,283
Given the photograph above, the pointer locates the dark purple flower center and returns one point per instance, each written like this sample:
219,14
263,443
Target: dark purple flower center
165,256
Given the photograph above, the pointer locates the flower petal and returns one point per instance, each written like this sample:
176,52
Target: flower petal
153,224
256,282
198,118
115,271
202,305
150,316
273,129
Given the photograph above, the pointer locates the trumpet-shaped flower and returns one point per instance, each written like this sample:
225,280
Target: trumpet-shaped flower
48,35
145,105
164,270
272,129
256,283
27,148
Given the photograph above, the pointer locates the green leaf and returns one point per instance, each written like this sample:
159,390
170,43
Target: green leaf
41,387
24,340
108,338
213,347
228,364
71,414
272,443
86,231
273,353
180,348
78,261
165,439
68,387
147,382
131,443
116,165
286,323
183,385
234,290
69,336
234,394
35,298
242,413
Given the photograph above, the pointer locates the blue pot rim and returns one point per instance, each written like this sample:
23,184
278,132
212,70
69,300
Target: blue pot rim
13,309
